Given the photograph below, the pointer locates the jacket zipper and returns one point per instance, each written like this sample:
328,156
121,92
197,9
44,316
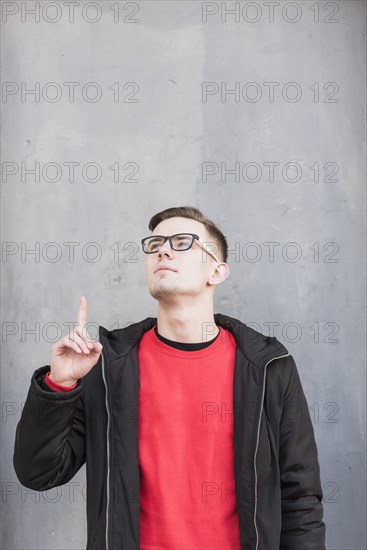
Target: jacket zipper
108,450
257,443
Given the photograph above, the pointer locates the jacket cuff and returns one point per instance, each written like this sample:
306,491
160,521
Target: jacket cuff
41,388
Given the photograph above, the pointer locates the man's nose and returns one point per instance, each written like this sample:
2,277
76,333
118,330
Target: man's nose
165,249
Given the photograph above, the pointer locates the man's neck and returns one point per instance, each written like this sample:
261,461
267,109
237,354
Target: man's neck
186,323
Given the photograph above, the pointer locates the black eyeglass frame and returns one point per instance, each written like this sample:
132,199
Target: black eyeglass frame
170,237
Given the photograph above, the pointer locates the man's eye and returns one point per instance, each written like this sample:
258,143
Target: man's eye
182,243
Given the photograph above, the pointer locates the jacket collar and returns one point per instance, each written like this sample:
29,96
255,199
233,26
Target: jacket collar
254,345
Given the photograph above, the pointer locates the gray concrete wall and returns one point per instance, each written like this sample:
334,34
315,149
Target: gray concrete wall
152,124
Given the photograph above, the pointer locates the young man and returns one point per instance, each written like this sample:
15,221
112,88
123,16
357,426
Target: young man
194,428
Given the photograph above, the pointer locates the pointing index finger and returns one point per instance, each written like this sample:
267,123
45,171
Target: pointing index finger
82,313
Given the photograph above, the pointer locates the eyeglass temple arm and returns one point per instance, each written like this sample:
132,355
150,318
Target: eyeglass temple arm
204,245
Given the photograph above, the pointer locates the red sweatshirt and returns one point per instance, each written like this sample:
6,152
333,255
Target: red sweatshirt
187,491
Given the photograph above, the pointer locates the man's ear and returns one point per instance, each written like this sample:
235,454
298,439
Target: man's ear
219,274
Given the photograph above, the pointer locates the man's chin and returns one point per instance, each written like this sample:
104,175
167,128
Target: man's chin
163,291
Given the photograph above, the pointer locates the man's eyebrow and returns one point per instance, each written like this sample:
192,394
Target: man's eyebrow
182,235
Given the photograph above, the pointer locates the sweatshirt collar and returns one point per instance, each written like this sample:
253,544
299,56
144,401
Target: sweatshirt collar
255,346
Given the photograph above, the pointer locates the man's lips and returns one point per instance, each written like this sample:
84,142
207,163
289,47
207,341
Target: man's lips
164,269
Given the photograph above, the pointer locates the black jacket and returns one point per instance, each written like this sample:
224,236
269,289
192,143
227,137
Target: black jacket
276,469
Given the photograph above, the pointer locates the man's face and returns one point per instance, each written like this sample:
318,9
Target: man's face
191,272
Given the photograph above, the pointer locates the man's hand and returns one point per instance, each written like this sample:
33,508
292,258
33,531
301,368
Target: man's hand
76,354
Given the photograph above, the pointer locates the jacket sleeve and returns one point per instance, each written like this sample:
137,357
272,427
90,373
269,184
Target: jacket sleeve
301,491
50,437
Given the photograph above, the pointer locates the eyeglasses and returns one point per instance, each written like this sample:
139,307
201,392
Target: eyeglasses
178,242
